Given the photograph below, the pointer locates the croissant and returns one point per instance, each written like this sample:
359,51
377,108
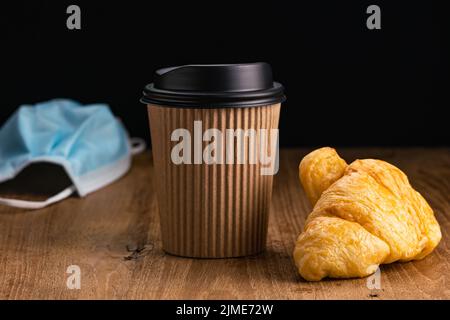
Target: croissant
364,214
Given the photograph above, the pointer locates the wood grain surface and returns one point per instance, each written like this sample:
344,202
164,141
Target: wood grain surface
113,236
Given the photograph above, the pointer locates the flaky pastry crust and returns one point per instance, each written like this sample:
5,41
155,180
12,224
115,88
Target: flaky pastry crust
365,214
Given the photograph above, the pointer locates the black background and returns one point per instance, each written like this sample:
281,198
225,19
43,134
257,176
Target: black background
346,85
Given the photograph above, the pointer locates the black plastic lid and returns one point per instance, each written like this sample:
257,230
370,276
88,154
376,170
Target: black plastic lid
214,86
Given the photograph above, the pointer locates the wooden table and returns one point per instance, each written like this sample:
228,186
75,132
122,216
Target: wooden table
113,236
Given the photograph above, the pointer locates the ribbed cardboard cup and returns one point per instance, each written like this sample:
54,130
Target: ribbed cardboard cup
211,210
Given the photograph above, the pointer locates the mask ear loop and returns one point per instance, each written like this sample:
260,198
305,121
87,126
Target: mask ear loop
25,204
137,145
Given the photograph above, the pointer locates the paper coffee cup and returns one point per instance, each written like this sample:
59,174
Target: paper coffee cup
214,131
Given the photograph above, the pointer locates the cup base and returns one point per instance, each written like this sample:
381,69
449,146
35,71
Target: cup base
215,257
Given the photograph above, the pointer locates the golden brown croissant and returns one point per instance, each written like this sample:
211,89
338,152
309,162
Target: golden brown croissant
364,214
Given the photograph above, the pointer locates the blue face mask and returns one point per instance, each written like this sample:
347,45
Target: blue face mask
87,141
